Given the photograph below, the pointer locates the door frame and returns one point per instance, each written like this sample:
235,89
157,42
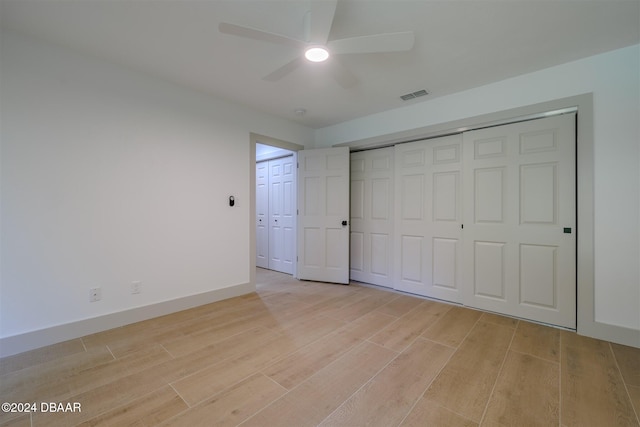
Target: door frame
255,138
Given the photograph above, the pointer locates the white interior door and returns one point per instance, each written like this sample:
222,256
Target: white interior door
262,214
520,220
428,245
371,243
323,204
281,214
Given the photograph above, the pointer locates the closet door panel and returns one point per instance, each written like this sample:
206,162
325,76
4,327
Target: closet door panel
279,233
262,214
288,213
428,186
276,202
520,228
446,257
372,201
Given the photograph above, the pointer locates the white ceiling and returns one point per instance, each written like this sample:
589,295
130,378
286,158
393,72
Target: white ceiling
459,45
264,151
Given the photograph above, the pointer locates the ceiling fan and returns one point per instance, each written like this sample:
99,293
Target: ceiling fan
317,48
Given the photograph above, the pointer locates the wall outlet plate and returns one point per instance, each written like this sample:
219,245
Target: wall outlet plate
95,294
136,287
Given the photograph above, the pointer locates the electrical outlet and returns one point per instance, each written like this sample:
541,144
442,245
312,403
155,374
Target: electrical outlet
95,294
136,287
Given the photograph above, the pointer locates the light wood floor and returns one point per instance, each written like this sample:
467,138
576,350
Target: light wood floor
306,354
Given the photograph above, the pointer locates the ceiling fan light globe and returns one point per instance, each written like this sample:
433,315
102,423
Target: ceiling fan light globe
316,54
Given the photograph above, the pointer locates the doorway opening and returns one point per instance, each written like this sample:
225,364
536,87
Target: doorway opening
273,182
275,208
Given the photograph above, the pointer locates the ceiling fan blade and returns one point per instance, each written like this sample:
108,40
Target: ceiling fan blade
342,75
251,33
390,42
319,20
284,70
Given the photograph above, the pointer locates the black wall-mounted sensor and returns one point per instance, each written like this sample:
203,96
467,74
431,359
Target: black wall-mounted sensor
232,201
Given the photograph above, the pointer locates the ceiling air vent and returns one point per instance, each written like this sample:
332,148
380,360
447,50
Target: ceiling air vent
414,95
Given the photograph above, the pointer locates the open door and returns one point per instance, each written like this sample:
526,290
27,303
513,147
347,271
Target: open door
323,215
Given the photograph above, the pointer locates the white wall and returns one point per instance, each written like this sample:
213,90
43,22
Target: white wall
110,176
614,80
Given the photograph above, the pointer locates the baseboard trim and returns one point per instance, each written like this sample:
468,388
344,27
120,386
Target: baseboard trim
15,344
614,333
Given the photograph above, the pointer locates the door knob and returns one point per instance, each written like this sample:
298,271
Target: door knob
345,223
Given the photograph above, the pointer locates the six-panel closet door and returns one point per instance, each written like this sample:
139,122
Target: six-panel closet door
371,238
520,220
486,218
275,210
323,217
281,214
428,217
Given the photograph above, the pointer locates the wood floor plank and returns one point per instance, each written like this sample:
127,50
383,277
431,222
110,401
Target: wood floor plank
206,357
50,379
400,334
101,388
110,371
224,348
527,393
634,394
292,370
628,359
206,336
40,355
212,380
327,305
179,323
149,410
313,295
23,420
428,413
102,399
464,385
14,418
359,308
593,392
73,379
388,397
370,324
232,406
307,326
207,329
499,320
537,340
453,326
321,394
399,306
287,305
296,368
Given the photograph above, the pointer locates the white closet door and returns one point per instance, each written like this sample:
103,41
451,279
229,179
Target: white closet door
372,217
323,230
262,214
520,220
428,217
281,212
